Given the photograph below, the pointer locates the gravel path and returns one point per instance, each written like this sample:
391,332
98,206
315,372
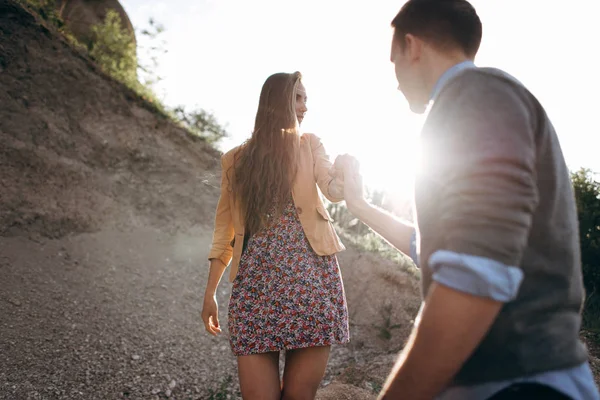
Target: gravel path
115,315
112,315
105,316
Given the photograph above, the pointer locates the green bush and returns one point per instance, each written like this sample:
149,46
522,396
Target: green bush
114,50
587,193
201,123
45,9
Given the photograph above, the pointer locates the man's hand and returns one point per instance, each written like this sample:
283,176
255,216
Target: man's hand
337,170
346,171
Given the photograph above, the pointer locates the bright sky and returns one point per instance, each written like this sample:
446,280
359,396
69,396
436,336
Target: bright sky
221,51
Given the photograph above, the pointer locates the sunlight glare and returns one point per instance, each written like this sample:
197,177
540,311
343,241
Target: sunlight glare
388,156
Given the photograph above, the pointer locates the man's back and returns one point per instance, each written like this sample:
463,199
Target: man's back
494,191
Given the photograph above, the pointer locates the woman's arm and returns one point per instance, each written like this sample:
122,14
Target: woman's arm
221,249
399,233
210,308
220,254
322,166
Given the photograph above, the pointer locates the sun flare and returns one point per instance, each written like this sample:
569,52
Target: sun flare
388,166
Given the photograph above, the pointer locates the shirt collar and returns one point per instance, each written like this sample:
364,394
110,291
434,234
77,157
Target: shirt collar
448,75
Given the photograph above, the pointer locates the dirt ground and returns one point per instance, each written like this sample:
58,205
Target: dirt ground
106,213
115,314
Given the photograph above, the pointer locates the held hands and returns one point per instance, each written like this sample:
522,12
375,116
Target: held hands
346,174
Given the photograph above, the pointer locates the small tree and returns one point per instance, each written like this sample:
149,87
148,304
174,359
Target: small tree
587,193
114,49
155,48
201,123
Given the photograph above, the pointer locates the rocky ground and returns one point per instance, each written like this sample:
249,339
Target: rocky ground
115,314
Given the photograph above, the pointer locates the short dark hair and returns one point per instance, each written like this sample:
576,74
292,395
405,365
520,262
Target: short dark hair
445,23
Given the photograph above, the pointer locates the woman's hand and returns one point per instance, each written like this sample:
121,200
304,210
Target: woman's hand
210,315
346,169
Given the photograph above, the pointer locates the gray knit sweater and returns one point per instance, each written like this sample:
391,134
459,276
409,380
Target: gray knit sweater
494,184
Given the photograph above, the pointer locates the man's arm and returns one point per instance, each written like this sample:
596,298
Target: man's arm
450,327
400,234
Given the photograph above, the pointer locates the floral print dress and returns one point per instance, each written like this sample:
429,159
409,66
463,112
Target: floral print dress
285,296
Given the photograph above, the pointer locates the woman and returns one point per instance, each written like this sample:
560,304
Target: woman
272,226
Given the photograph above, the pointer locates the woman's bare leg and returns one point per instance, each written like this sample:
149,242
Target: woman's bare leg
304,370
259,376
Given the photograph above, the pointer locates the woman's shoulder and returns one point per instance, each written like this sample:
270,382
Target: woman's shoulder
311,138
229,156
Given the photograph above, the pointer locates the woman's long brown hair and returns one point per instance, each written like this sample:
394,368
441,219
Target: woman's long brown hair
266,165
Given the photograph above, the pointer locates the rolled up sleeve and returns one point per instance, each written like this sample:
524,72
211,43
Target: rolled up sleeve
489,193
478,276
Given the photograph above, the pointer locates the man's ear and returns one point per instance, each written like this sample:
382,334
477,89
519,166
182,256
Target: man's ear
413,47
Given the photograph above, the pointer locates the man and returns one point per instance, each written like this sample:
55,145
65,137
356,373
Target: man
497,225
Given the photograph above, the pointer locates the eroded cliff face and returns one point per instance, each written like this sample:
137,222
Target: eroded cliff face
77,146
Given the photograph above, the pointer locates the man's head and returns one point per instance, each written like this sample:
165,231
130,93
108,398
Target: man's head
429,37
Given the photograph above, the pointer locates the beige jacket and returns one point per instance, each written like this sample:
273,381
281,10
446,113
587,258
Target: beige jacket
313,171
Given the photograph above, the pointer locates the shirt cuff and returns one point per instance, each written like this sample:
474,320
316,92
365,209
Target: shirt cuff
225,255
475,275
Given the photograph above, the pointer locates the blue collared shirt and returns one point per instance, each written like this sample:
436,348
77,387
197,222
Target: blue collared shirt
485,277
448,75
